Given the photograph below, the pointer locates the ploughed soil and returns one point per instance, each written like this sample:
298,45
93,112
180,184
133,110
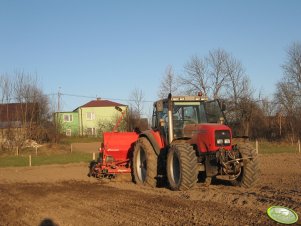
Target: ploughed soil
64,195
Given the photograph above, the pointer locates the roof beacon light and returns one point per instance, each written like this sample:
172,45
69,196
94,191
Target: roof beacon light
200,94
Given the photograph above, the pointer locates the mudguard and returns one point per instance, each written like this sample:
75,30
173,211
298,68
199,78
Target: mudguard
155,140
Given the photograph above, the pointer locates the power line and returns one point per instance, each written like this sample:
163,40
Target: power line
91,97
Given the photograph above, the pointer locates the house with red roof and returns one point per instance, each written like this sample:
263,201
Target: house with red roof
91,118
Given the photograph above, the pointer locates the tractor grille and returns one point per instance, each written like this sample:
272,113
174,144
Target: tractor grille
222,138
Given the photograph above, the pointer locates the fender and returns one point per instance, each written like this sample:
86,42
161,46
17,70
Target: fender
150,135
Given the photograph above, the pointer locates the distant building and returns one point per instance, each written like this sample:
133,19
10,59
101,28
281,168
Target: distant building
69,123
16,114
85,120
17,117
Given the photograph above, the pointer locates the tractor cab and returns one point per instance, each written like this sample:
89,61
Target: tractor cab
177,117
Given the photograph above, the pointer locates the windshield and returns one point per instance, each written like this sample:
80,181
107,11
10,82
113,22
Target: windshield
189,112
195,113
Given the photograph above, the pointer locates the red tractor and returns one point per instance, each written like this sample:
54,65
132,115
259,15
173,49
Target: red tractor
188,142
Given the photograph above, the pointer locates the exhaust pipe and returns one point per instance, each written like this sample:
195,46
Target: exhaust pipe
170,119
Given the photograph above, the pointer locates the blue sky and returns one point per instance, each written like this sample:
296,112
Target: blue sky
109,48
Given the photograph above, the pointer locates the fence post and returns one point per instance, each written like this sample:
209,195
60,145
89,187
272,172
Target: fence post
299,146
36,150
30,160
256,146
71,148
93,155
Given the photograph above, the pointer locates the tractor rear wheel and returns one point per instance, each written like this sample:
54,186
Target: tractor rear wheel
92,167
250,170
182,173
144,163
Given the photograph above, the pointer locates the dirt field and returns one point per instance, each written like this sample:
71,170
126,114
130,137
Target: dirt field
64,195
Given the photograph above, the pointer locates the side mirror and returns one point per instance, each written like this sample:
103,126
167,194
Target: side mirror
159,105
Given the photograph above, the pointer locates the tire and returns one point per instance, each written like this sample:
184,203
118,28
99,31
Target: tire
92,169
144,163
181,169
250,169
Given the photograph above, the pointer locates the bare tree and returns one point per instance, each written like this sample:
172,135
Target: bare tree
29,116
238,84
5,92
137,100
288,93
136,108
195,78
220,75
239,96
5,89
292,67
168,83
288,103
217,62
30,99
217,75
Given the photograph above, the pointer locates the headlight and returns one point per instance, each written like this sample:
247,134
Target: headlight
219,141
222,138
227,141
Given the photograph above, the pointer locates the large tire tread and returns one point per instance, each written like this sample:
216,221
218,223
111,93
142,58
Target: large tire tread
251,171
188,165
151,159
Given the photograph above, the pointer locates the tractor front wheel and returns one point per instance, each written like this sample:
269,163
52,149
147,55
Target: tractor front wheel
144,163
250,169
182,173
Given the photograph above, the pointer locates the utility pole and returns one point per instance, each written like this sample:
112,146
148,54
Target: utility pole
57,118
59,100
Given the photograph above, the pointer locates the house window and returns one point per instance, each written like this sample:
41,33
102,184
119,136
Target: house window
68,132
91,131
68,118
90,115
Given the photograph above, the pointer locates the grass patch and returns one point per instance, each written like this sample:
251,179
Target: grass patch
265,147
17,161
14,161
73,157
70,140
